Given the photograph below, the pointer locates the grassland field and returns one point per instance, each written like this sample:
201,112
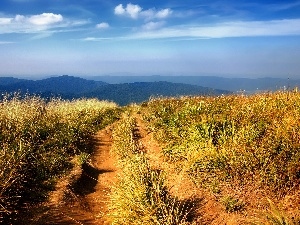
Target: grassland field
218,160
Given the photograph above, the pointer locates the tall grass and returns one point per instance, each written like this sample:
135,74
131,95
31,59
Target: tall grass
141,195
244,138
274,216
37,140
239,149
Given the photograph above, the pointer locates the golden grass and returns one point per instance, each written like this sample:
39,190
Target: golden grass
141,195
37,141
245,143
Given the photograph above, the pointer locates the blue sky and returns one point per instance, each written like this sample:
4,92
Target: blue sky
113,37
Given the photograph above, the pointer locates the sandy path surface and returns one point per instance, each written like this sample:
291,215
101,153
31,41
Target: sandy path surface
87,201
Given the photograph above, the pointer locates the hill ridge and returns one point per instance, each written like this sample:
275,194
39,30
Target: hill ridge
70,87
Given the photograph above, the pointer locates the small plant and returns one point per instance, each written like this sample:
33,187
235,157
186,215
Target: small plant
83,158
274,216
232,204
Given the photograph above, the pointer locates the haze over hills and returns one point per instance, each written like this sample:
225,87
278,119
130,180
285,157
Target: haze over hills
127,89
70,87
62,85
231,84
141,91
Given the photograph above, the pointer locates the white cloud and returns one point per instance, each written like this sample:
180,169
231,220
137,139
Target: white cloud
130,10
164,13
224,30
155,30
153,25
4,21
90,39
102,25
19,18
148,14
119,10
97,39
135,11
45,19
40,23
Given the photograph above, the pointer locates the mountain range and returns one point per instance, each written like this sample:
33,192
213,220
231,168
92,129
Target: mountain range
69,87
248,85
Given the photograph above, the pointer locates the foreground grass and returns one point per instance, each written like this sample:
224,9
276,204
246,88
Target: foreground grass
234,145
38,140
141,195
241,152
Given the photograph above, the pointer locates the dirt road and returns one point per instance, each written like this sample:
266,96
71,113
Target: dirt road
86,201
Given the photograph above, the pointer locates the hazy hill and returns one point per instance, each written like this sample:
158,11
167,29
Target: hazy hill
9,81
232,84
126,93
60,85
69,87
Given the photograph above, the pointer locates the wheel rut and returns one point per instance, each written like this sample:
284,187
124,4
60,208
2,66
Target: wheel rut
86,202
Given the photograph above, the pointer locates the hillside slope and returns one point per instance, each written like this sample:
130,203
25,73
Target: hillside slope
138,92
56,85
215,82
68,87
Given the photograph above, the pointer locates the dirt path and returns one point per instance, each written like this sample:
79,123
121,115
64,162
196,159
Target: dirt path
181,185
86,202
178,182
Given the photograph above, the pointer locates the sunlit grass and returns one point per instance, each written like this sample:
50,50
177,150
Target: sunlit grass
233,142
37,141
232,137
141,195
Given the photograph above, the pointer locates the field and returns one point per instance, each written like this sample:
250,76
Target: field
241,151
191,160
38,141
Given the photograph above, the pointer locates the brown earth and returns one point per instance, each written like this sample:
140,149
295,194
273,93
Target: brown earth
82,197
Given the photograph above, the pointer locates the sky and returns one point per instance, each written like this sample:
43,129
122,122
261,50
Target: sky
258,38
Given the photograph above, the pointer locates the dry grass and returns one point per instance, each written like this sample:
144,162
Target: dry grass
141,195
37,141
232,146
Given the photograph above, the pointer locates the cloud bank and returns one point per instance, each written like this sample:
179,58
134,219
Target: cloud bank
284,27
135,12
35,23
102,25
155,30
40,20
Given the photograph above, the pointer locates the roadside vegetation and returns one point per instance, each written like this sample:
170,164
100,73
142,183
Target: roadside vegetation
241,150
39,139
141,195
220,160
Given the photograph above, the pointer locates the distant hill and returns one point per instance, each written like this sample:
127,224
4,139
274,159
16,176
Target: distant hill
231,84
60,85
9,81
70,87
126,93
